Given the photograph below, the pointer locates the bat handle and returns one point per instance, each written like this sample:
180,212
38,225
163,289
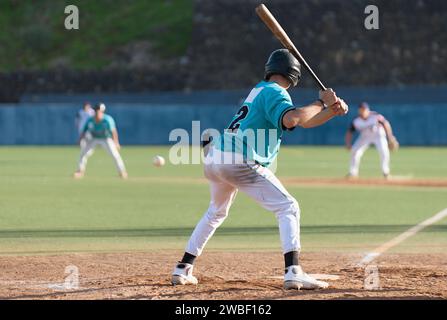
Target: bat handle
314,76
321,85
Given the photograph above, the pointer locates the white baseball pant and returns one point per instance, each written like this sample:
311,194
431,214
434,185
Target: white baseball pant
257,182
109,145
362,144
83,142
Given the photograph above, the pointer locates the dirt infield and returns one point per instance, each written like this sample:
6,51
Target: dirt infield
394,181
321,181
221,276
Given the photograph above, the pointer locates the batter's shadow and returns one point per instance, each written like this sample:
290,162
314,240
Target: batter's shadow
349,293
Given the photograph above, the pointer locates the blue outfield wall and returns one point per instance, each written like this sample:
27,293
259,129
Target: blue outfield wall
418,116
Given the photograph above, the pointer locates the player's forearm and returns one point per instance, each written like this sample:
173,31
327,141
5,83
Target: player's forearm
388,129
314,116
307,117
115,137
348,139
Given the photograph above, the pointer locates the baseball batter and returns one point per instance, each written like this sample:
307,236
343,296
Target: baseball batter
103,131
240,161
373,129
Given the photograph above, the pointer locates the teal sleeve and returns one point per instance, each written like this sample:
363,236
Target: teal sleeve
276,104
111,122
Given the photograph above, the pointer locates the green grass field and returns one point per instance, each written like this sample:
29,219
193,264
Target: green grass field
43,210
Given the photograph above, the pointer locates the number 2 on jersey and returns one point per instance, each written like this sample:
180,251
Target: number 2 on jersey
243,111
241,114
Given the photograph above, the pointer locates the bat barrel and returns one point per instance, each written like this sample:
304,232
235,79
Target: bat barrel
269,20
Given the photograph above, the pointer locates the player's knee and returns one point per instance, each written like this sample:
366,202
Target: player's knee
116,155
295,208
288,206
217,214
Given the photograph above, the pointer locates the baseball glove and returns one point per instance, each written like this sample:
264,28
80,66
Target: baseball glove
393,144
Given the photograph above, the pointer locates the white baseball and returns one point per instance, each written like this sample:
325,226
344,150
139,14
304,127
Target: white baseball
158,161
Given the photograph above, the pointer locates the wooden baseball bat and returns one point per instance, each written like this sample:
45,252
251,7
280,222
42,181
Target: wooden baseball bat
274,26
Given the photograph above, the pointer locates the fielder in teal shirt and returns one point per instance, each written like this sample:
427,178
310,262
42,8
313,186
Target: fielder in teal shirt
103,132
102,129
256,129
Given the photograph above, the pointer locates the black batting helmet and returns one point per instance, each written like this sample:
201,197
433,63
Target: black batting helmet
99,107
282,62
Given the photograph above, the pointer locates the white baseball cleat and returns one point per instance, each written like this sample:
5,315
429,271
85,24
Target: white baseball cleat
78,175
296,278
182,274
124,175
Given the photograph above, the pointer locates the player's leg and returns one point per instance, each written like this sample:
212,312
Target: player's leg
222,196
86,152
87,137
357,152
384,152
111,148
262,185
82,143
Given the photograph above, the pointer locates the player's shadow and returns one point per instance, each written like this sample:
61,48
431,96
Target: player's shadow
344,294
178,294
277,292
68,293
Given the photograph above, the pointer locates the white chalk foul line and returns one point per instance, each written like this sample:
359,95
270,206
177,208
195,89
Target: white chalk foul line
371,256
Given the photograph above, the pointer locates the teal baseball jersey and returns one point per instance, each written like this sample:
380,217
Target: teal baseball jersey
256,129
102,129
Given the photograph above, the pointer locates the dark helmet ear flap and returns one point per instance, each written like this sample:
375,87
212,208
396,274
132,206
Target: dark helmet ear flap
295,73
282,62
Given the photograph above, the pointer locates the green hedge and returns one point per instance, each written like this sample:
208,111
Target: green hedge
33,36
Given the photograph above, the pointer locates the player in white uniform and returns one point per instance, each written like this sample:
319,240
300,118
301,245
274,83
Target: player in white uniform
240,161
373,129
103,130
81,118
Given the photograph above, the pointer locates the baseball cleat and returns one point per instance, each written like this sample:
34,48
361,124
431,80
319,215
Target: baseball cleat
296,278
78,175
124,175
182,274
